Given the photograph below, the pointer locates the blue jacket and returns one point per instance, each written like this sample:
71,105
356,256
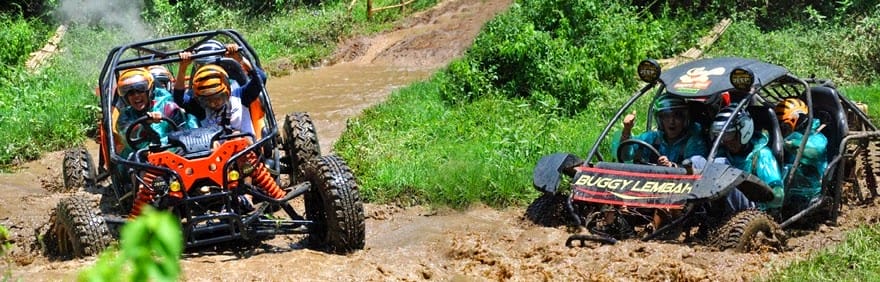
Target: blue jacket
807,179
162,102
685,147
760,162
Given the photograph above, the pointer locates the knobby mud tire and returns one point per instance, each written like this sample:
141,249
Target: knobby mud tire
335,205
741,231
77,229
548,210
78,170
300,143
863,190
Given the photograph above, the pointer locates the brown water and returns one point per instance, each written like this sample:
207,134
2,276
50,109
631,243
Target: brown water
332,95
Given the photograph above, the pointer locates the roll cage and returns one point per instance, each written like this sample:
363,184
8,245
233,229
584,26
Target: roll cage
163,51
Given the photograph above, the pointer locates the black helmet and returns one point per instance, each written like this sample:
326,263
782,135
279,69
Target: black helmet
741,123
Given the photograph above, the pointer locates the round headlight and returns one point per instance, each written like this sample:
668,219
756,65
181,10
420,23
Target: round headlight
649,71
742,79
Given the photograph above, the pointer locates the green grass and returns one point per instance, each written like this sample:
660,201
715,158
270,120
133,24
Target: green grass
866,94
856,259
416,149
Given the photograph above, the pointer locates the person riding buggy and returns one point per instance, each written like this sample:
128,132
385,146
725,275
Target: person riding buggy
223,183
718,92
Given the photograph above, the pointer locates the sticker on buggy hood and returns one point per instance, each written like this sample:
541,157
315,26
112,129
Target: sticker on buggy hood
632,188
696,79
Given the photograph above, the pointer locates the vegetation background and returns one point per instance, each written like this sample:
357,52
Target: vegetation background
535,81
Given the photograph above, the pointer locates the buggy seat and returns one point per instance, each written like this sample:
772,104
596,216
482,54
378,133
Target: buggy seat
827,108
765,119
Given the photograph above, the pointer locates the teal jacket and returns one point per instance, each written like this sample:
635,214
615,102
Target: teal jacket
807,179
163,103
760,162
688,146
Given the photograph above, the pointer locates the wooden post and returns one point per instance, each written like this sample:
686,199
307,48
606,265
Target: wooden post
402,7
369,9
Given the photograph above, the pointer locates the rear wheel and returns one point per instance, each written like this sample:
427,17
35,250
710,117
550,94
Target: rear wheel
864,187
300,143
78,170
747,230
547,210
335,205
77,229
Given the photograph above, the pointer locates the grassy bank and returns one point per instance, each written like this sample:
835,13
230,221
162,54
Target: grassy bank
56,108
856,259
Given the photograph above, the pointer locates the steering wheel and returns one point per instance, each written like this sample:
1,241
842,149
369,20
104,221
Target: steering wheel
652,157
135,140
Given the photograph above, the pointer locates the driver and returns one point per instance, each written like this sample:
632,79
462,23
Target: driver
676,137
743,149
136,90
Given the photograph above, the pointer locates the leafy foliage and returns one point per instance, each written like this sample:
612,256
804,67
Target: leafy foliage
150,250
553,51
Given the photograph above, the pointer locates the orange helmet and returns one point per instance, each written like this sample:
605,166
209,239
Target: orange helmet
791,112
162,76
133,81
211,83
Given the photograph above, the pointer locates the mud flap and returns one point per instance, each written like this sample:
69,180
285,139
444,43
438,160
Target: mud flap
546,174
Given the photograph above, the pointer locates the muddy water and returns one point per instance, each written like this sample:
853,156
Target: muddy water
332,95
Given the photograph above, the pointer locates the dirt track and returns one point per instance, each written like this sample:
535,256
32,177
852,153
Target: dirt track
415,243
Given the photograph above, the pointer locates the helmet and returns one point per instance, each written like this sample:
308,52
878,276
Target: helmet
667,103
134,80
741,123
161,76
791,112
208,46
209,81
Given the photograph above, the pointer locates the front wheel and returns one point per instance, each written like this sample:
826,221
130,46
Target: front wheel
335,205
77,228
548,210
742,232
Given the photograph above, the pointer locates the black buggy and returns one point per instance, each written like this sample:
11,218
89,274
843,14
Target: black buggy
199,175
633,188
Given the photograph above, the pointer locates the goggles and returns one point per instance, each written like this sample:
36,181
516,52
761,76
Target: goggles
672,114
137,87
212,101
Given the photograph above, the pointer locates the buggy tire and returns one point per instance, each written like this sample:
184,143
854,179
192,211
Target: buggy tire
334,204
741,230
78,229
78,170
300,143
548,210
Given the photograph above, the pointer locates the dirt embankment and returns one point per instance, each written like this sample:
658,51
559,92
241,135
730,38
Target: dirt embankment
415,243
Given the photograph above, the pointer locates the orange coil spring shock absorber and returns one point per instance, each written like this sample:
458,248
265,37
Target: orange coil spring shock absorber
144,195
262,178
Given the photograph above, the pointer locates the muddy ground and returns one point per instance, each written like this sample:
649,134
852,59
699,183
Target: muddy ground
414,243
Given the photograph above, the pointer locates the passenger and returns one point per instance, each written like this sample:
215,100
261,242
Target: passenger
205,85
806,184
214,99
743,149
677,138
133,86
162,77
